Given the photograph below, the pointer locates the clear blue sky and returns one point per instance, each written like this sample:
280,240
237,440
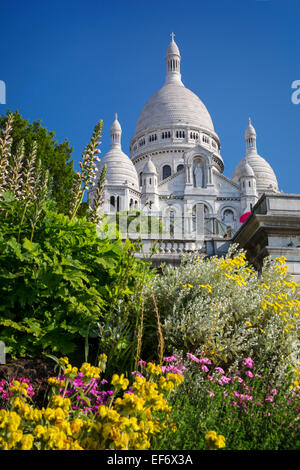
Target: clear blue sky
71,63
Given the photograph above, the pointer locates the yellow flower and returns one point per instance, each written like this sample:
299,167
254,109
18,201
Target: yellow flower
248,323
214,441
14,421
153,369
27,442
119,381
39,431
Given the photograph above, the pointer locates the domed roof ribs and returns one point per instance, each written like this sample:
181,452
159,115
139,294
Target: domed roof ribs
173,63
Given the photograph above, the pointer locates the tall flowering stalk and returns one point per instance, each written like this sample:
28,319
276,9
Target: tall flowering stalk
15,182
98,199
85,177
29,174
5,152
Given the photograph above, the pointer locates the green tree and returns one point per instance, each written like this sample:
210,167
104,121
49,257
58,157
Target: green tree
55,157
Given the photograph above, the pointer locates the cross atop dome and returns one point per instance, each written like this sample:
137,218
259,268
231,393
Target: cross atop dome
173,62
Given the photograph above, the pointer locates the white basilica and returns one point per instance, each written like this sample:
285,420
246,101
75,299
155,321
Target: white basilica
175,169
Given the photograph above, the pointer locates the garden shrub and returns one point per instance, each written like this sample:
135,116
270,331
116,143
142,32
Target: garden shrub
222,306
61,284
57,288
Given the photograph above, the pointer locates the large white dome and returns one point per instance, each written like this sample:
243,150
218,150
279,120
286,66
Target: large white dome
173,105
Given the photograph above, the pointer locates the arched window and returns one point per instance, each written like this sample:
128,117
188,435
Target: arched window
172,222
118,203
112,201
180,167
166,171
197,224
131,203
228,217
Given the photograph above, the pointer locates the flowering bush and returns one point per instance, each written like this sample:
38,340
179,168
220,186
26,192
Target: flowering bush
128,418
253,408
225,308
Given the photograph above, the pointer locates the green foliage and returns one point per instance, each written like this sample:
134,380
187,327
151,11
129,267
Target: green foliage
64,284
55,157
62,287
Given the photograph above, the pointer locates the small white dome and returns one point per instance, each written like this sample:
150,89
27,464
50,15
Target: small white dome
250,131
246,170
149,167
119,168
265,176
115,125
173,48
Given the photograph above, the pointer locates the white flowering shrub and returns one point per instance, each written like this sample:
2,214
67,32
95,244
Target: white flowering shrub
225,309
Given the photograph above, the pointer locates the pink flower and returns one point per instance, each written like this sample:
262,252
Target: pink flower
248,362
211,394
205,360
170,359
142,363
236,394
274,391
249,374
137,373
270,399
204,368
225,380
219,369
192,357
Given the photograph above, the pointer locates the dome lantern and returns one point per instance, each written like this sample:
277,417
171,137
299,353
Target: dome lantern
173,62
115,133
250,138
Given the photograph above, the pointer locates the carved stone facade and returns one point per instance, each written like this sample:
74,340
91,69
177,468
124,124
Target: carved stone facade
175,170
